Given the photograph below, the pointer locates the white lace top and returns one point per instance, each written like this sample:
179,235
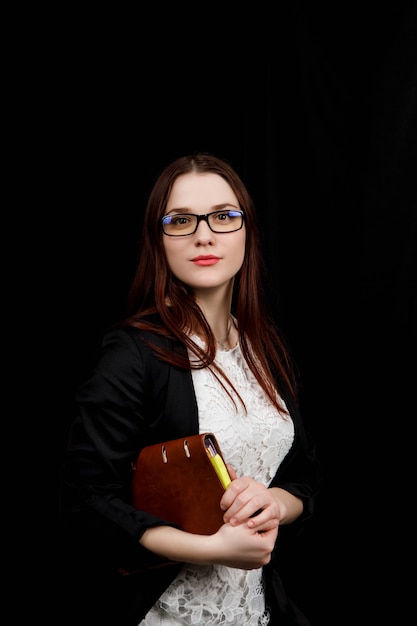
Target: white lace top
254,444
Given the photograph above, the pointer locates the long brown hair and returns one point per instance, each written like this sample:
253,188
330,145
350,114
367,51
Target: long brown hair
155,290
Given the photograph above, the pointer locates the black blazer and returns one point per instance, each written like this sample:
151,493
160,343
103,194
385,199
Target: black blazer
132,400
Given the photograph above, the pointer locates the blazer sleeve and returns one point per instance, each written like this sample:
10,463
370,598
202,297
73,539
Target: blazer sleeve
120,409
300,473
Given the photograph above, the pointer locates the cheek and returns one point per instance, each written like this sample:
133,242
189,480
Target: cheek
173,255
240,252
239,263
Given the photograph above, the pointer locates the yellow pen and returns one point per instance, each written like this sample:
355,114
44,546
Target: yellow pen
218,463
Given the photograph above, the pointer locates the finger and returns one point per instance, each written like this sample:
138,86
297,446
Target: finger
260,525
231,471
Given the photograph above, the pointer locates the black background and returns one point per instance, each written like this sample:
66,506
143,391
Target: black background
315,107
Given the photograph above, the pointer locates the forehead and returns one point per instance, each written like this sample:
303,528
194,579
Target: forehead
200,191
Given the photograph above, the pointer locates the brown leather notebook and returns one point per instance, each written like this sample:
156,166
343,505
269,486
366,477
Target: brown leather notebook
182,481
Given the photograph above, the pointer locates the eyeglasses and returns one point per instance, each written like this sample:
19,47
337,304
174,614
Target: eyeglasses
183,224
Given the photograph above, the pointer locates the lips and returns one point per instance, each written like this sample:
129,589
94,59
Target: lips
205,260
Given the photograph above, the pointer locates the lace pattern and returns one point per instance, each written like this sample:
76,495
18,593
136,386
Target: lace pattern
254,444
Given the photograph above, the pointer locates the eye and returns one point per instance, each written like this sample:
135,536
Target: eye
221,216
177,220
180,220
226,216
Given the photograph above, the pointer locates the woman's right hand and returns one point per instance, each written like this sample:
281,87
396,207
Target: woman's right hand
242,547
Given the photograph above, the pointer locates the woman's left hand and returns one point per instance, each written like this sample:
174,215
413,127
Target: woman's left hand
247,500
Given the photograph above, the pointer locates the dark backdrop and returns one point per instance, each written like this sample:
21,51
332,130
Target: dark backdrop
316,109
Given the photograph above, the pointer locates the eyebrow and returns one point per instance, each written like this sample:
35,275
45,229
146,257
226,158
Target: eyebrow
217,207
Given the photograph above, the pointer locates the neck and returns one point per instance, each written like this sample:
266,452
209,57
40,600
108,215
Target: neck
223,340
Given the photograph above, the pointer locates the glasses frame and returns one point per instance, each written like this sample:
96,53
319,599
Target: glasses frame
204,218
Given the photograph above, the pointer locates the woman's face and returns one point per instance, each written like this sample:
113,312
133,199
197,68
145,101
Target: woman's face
204,259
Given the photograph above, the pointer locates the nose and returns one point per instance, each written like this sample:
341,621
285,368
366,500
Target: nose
203,232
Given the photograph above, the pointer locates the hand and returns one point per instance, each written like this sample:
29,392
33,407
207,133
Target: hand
247,500
242,547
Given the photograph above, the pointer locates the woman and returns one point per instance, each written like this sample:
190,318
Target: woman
197,352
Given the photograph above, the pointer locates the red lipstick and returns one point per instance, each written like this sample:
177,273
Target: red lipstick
208,259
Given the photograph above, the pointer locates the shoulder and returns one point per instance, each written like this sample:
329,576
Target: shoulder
135,340
125,343
128,367
131,349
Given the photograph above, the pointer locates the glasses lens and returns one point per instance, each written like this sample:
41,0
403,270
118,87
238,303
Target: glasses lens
183,224
225,221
